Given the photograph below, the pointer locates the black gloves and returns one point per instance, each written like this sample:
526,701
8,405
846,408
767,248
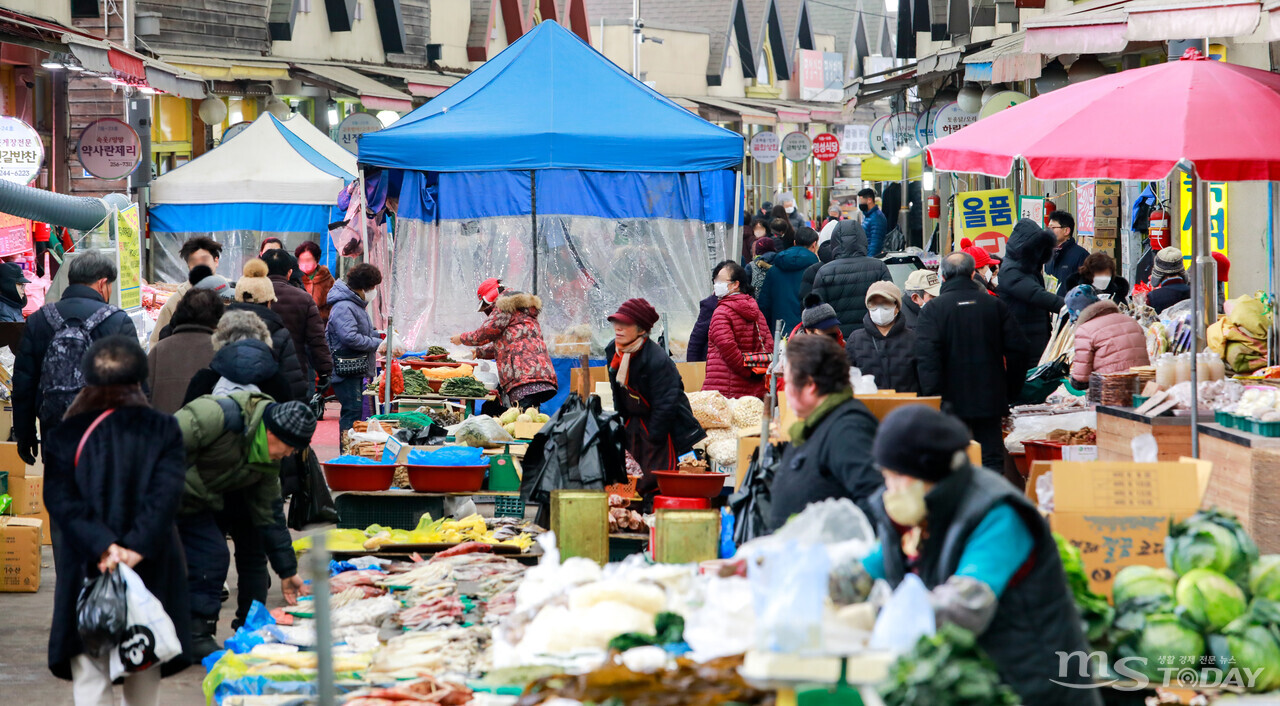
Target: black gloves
28,449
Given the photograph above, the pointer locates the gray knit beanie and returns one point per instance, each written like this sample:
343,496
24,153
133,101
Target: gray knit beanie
818,314
291,422
1169,261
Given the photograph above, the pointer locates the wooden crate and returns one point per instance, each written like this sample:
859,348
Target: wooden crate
1117,428
1245,467
692,374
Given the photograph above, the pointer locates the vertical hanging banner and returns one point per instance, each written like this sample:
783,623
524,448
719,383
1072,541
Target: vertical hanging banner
15,235
1217,217
129,250
986,218
1086,201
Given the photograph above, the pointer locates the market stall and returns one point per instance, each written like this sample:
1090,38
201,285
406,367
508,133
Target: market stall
269,180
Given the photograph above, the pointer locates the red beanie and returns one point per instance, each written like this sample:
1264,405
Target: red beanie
981,258
965,243
1224,266
638,312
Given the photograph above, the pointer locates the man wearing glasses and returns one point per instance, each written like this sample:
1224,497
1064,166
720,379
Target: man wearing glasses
1068,255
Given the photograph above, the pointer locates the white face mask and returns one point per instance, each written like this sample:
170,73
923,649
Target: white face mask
790,210
995,280
370,295
1101,281
721,289
882,315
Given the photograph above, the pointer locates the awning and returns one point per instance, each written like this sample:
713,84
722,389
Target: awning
1004,61
786,112
425,84
174,81
747,114
230,67
870,89
1161,20
106,58
948,60
373,94
1096,27
1272,8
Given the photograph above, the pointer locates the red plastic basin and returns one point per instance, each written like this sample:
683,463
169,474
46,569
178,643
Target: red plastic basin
665,502
447,479
359,476
690,485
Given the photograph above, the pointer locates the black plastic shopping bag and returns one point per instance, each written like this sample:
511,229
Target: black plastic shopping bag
102,613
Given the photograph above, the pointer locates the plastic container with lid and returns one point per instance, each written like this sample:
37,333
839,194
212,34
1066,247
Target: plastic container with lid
1165,373
1182,368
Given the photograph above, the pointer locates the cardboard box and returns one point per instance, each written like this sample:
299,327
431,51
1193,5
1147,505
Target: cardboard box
528,430
20,540
1118,513
43,516
6,422
10,461
27,493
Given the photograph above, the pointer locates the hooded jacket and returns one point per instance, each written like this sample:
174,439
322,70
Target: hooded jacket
890,358
737,327
244,362
1107,341
286,355
298,311
759,267
350,330
697,351
1021,285
512,336
174,362
780,298
843,282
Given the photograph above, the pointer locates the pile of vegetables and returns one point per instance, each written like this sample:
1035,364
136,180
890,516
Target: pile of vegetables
473,528
515,415
415,383
463,387
1095,612
946,669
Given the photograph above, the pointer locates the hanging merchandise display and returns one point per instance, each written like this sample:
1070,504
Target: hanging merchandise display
21,151
765,147
796,146
109,149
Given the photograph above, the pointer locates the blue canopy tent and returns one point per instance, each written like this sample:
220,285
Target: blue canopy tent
557,171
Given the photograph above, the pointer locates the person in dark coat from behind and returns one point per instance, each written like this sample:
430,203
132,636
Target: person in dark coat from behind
115,471
301,316
697,351
175,359
238,361
649,395
1168,280
830,451
256,293
781,296
885,347
1021,285
971,351
843,282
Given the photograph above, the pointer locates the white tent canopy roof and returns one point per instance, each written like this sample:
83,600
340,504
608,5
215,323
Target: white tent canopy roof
330,150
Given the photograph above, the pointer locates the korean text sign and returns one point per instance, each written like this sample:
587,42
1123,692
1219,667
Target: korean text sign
1217,217
986,218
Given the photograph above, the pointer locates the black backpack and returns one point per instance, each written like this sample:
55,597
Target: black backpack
60,376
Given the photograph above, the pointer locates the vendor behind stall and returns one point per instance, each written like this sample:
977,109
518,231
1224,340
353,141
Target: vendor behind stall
649,394
512,336
983,551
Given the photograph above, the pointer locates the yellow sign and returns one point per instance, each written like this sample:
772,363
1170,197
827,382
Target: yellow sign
1217,217
986,218
129,248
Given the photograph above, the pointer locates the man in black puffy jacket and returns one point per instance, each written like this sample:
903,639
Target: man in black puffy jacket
1022,285
844,281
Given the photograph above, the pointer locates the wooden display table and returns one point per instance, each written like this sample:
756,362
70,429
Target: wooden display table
1119,426
1245,468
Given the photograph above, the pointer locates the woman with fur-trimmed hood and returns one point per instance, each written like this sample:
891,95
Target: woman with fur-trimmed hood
512,336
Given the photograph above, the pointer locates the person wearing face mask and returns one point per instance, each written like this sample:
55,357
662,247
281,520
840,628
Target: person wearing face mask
737,328
351,338
873,221
798,220
1106,340
12,294
1099,272
833,216
830,451
884,347
649,395
316,278
984,552
757,230
982,264
512,336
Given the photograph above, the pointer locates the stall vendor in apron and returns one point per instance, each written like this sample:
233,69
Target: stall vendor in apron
983,551
512,336
649,395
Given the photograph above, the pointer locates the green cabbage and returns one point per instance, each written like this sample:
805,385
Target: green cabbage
1210,540
1166,639
1210,599
1144,587
1257,647
1264,577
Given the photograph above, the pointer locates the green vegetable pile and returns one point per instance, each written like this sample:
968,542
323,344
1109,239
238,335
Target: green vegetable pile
668,629
1096,613
947,669
440,350
463,387
415,383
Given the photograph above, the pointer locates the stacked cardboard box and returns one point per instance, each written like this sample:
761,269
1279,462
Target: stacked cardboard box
26,487
1106,217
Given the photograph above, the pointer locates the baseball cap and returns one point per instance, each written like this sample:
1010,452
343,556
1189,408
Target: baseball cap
924,280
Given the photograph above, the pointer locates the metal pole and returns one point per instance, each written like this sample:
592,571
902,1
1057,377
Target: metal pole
635,39
533,203
324,631
1199,206
391,319
1271,269
735,238
364,223
904,210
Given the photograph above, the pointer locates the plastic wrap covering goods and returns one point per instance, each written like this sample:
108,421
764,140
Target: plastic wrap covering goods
78,212
238,247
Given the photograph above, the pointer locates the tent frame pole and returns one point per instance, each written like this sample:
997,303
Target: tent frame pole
364,223
735,239
533,202
391,317
1199,209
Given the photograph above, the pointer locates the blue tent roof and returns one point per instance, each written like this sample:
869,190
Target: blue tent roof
550,101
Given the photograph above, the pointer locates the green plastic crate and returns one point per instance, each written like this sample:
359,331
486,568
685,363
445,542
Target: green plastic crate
394,511
508,507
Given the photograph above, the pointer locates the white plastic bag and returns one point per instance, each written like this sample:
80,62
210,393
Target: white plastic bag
789,587
907,617
149,638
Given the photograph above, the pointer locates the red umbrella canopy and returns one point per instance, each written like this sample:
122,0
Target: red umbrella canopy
1136,124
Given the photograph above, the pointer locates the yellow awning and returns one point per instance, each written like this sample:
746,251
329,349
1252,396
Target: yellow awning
230,68
878,169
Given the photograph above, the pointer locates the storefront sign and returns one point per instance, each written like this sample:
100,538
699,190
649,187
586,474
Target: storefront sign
1031,207
1003,100
765,147
1085,199
897,134
826,147
355,125
109,149
1217,217
986,218
15,235
950,120
820,76
235,130
924,125
21,151
856,140
796,146
129,252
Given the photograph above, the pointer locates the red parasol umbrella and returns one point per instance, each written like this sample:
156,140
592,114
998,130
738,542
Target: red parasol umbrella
1138,124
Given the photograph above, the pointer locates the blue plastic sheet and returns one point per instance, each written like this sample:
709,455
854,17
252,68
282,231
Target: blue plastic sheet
451,456
249,635
261,686
340,567
353,460
216,217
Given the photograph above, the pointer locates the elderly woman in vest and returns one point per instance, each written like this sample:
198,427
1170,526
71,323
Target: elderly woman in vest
987,557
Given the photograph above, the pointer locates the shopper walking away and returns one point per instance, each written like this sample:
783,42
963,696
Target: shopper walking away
13,295
766,250
779,297
256,293
830,451
884,347
820,319
234,445
795,216
757,228
1022,286
921,287
649,395
302,318
843,282
737,329
697,350
316,278
352,340
115,471
46,372
971,351
512,336
1168,281
1068,255
1099,272
873,222
984,552
195,251
1106,340
176,359
242,360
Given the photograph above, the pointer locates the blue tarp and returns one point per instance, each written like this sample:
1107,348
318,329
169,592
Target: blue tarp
219,217
550,101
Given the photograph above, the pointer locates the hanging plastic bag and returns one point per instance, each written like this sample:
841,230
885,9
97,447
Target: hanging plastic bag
581,447
907,617
311,503
149,637
789,586
102,613
752,504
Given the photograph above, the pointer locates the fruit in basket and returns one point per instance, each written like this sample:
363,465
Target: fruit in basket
1210,599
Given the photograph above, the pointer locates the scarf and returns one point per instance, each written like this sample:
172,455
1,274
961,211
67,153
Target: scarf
226,387
622,358
803,429
95,398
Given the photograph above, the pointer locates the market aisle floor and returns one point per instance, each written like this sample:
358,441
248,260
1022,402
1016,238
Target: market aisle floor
25,620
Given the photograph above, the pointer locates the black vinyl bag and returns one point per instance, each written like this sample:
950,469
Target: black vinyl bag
1043,380
581,447
102,613
311,503
752,504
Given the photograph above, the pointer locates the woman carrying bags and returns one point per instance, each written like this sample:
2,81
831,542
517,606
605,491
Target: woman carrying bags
738,329
649,395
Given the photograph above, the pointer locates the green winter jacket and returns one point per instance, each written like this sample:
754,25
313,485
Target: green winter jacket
226,454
